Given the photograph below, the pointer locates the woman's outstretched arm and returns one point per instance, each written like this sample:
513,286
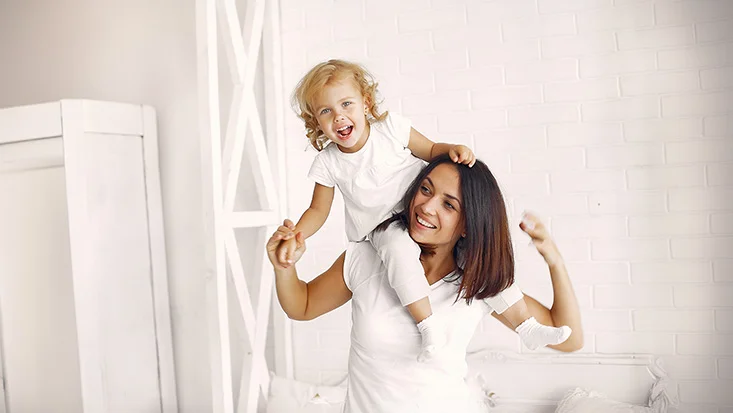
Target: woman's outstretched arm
565,310
301,300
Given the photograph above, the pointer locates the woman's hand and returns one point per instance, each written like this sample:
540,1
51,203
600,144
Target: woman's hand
541,238
278,252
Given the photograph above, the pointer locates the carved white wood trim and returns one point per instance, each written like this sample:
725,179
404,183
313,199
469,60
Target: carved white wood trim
661,392
222,160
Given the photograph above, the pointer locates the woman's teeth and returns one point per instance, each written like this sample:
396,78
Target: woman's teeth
424,223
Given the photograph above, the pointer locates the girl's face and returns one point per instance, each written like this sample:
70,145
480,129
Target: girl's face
340,110
436,211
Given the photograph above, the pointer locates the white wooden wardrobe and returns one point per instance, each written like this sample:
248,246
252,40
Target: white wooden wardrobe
84,313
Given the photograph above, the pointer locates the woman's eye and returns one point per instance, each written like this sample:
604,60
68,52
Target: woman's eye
449,205
424,189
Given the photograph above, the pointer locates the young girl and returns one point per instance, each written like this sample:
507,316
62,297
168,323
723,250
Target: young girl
372,158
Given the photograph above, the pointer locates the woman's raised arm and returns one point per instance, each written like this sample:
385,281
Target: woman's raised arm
301,300
565,310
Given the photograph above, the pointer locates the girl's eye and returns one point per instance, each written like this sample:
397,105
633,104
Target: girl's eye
324,111
347,103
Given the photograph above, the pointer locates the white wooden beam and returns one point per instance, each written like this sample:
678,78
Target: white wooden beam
161,302
31,154
245,300
86,297
257,152
232,39
30,122
217,300
234,145
252,219
253,25
272,58
112,118
259,376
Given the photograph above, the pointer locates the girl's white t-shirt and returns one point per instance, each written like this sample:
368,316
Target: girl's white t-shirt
384,375
372,180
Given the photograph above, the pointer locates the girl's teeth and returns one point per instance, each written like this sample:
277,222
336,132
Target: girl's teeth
344,131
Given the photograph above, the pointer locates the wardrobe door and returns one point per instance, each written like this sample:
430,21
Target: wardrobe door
110,254
37,320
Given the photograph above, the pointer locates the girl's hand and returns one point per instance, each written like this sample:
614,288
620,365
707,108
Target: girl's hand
279,243
540,238
462,154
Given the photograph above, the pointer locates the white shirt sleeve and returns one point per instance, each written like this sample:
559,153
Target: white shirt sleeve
399,127
361,262
349,265
320,173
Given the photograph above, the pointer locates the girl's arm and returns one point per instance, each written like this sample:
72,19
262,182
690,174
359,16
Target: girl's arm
565,310
306,301
309,223
313,218
425,149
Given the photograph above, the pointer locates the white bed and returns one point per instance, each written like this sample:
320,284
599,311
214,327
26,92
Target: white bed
547,378
510,382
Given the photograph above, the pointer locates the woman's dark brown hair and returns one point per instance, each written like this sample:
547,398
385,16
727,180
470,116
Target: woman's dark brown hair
485,253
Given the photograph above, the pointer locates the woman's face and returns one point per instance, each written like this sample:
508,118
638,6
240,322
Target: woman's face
436,211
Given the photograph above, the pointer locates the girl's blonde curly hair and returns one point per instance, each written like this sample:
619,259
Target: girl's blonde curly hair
316,79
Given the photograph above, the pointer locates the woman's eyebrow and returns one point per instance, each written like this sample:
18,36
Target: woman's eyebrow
447,195
453,197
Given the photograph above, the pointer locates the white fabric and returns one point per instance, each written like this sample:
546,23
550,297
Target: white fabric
384,375
401,255
580,400
291,396
584,401
505,299
373,179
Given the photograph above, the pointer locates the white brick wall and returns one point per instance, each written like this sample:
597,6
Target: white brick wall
611,118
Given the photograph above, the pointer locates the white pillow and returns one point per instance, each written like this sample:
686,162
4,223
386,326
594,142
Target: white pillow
584,401
292,396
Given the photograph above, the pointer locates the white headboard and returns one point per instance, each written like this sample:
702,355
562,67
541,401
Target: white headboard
535,383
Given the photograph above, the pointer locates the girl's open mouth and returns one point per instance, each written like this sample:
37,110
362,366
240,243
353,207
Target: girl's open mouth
345,132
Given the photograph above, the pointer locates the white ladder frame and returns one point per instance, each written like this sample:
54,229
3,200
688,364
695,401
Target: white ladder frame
220,173
3,383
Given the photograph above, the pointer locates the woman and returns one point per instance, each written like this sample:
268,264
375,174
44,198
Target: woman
456,214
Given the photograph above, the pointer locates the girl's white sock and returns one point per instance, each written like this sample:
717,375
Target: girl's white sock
433,338
535,335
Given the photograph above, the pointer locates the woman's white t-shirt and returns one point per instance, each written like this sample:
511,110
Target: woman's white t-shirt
373,179
384,375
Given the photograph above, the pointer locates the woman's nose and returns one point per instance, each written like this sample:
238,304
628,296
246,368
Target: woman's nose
430,206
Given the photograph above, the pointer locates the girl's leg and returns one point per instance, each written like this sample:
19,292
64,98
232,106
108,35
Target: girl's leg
510,304
401,256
